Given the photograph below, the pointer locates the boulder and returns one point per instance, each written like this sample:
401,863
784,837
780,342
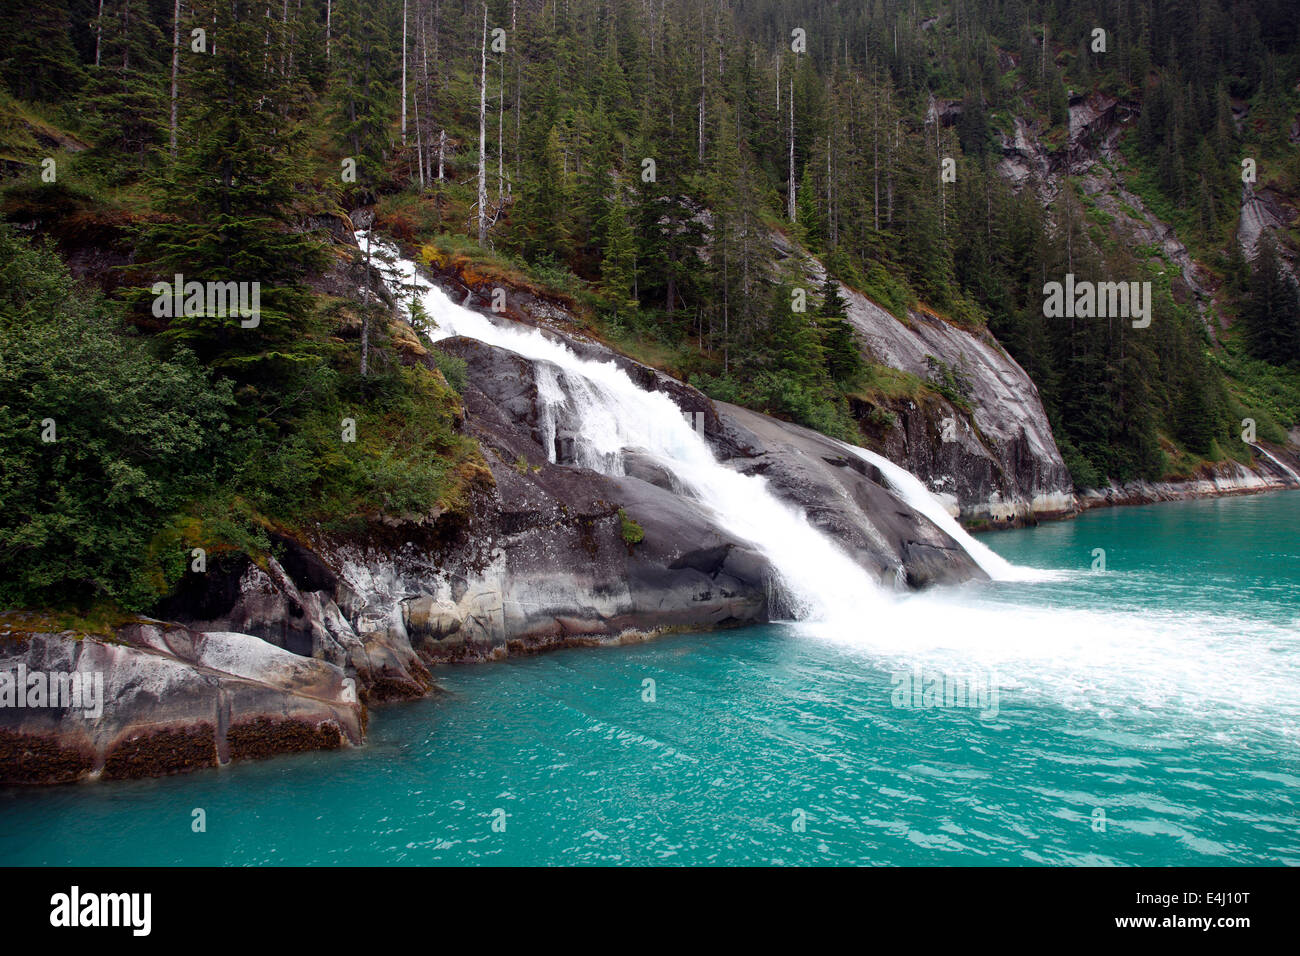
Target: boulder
162,699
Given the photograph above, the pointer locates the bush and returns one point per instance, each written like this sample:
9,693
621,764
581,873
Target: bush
633,533
1082,471
100,442
453,369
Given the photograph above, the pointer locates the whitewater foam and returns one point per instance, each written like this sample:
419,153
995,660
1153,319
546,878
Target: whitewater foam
913,491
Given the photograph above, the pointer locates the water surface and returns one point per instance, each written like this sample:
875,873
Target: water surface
1145,714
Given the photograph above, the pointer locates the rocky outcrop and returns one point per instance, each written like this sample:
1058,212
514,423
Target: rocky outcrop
544,561
1264,211
1091,153
159,699
846,498
988,453
658,581
992,457
1223,478
284,653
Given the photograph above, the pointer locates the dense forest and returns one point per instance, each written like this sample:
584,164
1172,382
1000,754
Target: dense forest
639,158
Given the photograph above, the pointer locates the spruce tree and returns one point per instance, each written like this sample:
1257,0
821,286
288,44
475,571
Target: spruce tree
1270,311
230,201
361,63
618,266
840,346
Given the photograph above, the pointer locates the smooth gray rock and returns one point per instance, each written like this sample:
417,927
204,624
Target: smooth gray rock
169,699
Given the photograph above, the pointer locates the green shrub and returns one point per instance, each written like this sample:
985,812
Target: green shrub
100,442
453,369
632,533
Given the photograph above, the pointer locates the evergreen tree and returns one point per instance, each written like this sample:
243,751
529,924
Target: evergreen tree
231,194
37,59
840,344
1270,311
361,63
618,265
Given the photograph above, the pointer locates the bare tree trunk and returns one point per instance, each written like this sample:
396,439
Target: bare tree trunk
99,30
293,40
365,307
176,62
419,146
701,103
420,88
790,201
830,210
514,49
442,136
422,94
501,119
482,137
329,11
889,178
404,73
875,158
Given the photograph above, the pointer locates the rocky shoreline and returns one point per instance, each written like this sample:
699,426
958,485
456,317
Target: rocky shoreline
1223,480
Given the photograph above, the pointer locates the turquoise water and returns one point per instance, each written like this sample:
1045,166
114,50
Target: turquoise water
1144,714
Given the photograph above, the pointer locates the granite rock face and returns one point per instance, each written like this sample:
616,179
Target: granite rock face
847,499
160,699
992,459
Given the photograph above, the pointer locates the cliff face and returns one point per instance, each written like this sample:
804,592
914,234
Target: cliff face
1091,153
993,462
992,459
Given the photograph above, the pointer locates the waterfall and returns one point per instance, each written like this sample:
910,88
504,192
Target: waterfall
1274,459
911,489
609,413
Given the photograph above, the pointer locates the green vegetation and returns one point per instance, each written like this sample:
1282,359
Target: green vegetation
101,441
657,170
631,532
127,441
151,454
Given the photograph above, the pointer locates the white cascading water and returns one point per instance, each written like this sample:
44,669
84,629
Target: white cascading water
1274,459
910,488
818,580
1108,659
